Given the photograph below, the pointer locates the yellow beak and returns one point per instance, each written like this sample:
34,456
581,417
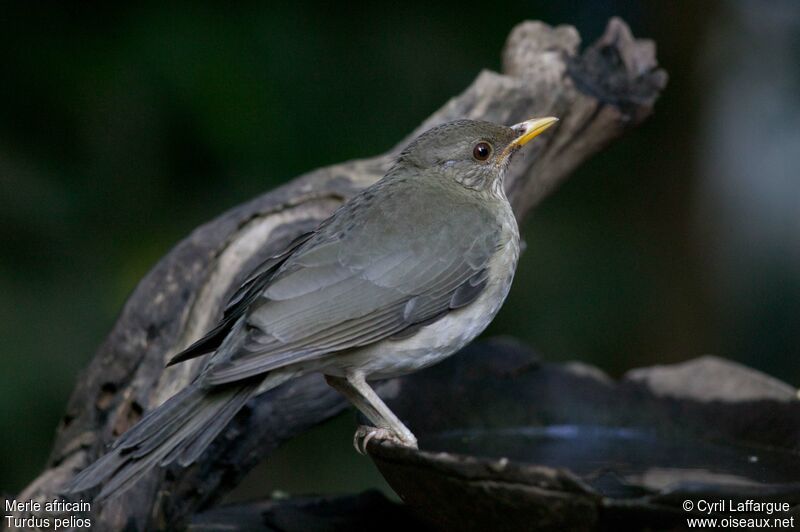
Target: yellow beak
527,130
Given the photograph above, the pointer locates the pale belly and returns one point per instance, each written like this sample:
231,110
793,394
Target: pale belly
437,341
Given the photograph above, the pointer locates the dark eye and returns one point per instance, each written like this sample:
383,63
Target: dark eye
482,151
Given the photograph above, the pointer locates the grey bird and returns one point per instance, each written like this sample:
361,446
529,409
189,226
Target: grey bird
400,277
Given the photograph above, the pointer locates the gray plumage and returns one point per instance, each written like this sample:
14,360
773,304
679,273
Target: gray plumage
400,276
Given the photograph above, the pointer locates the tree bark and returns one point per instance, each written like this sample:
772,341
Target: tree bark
597,94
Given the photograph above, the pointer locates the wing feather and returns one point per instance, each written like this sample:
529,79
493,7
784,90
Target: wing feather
354,284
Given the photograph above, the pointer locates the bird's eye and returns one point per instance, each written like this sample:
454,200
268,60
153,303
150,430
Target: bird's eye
482,151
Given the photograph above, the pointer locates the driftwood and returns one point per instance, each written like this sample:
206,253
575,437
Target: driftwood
598,94
565,447
347,513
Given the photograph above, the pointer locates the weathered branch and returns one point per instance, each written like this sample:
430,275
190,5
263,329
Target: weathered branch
598,95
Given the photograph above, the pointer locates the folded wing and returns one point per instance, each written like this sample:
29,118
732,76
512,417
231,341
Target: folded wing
408,259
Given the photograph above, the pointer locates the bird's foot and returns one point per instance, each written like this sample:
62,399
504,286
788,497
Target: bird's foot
365,433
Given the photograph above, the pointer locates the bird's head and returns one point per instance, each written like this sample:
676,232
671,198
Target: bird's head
472,153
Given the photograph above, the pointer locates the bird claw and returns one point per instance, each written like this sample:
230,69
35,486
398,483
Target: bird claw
364,434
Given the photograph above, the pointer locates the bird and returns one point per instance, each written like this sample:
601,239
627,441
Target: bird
401,276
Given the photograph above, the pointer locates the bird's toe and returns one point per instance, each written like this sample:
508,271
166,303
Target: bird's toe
364,434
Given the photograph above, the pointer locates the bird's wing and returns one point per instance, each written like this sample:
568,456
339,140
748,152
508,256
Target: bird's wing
239,302
379,269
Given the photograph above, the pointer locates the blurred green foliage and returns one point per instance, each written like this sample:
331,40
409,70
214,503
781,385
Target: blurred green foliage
122,128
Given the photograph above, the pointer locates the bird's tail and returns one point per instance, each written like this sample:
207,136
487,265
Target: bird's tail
178,430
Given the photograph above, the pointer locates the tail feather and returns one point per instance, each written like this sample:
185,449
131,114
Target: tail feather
180,429
176,413
152,424
192,448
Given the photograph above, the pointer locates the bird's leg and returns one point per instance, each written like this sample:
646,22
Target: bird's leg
362,396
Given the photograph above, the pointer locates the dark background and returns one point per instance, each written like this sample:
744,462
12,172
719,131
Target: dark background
121,129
